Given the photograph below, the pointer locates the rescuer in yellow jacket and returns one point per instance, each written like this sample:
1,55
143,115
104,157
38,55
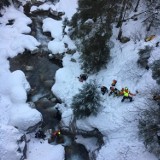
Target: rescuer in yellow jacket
127,95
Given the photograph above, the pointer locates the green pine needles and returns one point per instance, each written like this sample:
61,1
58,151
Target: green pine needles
87,102
95,55
4,3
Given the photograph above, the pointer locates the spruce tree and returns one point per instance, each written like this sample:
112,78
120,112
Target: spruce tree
4,3
95,54
87,101
92,31
144,55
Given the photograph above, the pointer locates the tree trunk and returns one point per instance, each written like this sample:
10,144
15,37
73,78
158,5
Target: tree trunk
119,24
150,25
135,10
119,34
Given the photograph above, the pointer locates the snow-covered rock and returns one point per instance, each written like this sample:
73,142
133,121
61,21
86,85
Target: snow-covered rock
53,26
42,150
56,47
23,117
12,143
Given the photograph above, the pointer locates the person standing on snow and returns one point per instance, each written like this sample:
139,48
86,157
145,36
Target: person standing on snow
113,89
127,95
114,82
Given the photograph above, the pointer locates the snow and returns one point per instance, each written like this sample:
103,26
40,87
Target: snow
23,117
16,41
41,150
68,6
20,20
66,39
65,76
55,27
8,143
33,8
44,7
117,121
121,149
56,46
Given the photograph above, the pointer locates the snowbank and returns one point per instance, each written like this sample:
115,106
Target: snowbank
12,41
9,145
56,47
68,6
23,117
42,150
53,26
66,79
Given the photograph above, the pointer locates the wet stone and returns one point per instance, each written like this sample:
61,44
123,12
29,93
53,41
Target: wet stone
29,68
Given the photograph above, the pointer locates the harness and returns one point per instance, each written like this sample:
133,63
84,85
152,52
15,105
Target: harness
56,133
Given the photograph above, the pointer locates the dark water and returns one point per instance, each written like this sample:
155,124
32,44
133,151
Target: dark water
76,151
38,70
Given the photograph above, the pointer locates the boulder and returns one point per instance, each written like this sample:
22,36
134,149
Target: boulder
29,68
71,51
124,39
73,60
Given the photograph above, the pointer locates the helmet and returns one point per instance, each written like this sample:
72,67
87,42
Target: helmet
126,88
114,81
111,88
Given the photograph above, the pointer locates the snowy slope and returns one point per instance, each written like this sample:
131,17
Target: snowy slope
119,119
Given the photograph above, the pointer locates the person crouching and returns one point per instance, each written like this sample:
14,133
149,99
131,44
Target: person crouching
127,95
104,90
